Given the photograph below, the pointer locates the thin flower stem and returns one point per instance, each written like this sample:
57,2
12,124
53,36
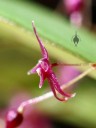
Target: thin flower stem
50,94
78,78
80,64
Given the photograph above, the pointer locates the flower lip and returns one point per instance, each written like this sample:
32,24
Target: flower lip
38,71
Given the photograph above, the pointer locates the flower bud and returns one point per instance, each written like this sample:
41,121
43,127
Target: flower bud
13,119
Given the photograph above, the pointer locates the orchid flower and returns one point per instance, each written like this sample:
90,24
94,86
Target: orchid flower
44,69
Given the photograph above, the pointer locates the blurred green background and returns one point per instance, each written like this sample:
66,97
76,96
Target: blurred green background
19,51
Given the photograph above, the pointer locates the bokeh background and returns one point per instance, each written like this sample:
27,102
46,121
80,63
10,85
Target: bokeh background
56,21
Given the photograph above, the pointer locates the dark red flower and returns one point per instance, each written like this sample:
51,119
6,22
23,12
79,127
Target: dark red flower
27,117
13,119
72,6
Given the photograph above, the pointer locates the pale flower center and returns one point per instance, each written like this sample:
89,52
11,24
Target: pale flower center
44,65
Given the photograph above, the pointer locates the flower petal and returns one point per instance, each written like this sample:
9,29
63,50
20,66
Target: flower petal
33,70
43,49
40,73
54,91
56,85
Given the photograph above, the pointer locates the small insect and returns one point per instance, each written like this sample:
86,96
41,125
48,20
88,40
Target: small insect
76,39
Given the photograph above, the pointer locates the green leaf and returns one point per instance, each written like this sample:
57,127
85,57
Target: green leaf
53,28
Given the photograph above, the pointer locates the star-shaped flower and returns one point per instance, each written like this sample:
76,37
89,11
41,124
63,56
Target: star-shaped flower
44,70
